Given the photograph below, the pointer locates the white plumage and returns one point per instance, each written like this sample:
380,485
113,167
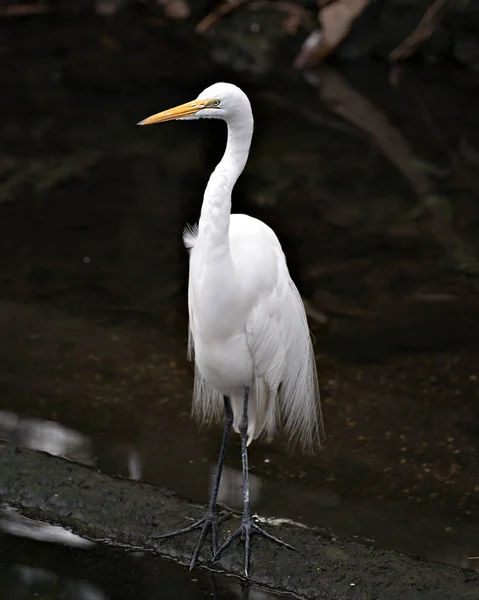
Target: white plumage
248,332
252,333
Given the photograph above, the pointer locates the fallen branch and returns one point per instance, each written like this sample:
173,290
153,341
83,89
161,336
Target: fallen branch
126,513
296,14
336,20
342,99
336,92
217,14
423,31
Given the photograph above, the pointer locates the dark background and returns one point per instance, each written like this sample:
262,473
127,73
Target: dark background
367,171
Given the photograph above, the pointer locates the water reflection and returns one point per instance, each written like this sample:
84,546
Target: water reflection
31,582
59,440
47,436
243,592
231,487
32,567
134,464
16,524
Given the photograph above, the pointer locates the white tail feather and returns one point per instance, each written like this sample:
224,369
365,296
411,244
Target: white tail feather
190,233
207,402
299,394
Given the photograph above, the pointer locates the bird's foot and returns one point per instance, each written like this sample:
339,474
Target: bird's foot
245,531
209,522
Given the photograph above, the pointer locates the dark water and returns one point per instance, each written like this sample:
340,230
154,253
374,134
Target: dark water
376,204
48,562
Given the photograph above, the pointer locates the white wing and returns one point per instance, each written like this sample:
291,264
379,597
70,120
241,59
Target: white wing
286,386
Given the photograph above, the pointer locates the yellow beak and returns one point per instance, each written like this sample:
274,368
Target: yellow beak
184,110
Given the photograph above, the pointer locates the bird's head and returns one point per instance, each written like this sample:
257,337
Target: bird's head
219,101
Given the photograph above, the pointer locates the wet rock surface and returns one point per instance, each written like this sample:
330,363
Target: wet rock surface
127,513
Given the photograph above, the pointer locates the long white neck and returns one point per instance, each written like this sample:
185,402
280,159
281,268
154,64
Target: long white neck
216,210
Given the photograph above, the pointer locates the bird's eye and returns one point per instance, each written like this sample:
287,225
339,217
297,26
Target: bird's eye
215,103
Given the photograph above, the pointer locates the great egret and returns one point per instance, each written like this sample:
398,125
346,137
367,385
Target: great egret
248,331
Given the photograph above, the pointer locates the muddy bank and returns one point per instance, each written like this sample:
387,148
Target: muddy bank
125,513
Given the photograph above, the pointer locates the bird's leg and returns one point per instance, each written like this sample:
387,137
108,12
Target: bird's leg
210,520
244,591
213,587
248,524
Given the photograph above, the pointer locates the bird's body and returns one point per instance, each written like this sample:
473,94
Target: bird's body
248,330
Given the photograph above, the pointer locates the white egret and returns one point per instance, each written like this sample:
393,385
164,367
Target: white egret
248,331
